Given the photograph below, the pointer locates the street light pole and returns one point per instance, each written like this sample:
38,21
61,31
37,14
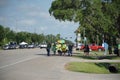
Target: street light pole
84,38
103,38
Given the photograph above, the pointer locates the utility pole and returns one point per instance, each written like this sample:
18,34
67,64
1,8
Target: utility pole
85,39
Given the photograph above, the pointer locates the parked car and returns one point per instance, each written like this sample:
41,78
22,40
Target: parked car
43,46
96,48
6,47
31,46
10,45
93,47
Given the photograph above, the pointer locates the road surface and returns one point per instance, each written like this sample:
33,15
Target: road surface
33,64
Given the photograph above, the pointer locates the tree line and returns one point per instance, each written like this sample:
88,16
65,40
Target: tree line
7,35
98,19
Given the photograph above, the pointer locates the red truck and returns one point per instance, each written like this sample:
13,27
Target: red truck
93,47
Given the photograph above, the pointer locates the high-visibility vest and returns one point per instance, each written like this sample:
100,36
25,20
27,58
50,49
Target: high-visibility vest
58,46
64,47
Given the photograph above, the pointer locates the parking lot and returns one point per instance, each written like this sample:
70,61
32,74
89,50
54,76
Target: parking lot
33,64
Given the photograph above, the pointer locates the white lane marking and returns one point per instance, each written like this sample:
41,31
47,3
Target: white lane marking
18,62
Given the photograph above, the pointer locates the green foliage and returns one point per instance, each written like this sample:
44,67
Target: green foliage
7,35
1,32
98,17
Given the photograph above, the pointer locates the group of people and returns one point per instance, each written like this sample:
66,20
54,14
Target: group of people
106,49
63,48
60,48
87,50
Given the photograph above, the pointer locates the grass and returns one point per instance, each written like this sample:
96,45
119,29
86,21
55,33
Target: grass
86,67
93,67
95,55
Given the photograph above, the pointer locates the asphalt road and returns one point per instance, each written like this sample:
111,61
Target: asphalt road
33,64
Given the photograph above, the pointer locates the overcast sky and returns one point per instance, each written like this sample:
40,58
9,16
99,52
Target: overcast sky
33,16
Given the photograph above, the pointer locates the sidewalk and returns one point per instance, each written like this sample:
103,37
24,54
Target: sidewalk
85,60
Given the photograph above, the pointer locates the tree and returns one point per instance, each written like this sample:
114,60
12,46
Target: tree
111,12
7,35
2,36
98,17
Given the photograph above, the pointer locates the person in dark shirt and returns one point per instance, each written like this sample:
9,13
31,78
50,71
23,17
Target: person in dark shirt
116,51
48,49
86,50
70,48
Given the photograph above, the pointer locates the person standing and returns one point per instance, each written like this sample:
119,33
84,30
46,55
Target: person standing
116,51
59,49
70,48
86,50
119,49
48,49
54,48
64,48
110,49
105,45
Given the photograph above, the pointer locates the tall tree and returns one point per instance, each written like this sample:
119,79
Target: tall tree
2,36
98,17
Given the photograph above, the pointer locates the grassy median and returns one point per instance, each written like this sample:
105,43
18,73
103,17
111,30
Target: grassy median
86,67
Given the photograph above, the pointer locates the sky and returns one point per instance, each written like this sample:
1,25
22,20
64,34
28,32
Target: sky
33,16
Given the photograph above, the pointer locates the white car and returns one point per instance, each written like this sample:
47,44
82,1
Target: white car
6,47
43,46
31,46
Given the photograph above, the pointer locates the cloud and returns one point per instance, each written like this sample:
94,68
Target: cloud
27,22
40,14
62,24
32,10
29,8
43,28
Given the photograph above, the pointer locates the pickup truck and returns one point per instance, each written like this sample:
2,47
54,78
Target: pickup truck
93,48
